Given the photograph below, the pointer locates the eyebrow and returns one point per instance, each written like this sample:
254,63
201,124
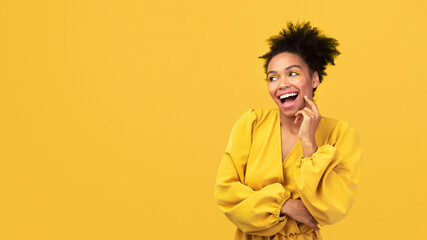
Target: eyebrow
272,71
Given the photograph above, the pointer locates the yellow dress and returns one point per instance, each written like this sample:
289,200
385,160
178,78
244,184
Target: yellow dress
252,182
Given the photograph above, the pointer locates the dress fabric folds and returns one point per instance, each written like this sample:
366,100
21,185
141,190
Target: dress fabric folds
253,183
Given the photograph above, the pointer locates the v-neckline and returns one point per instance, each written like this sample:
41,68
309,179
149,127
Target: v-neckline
280,142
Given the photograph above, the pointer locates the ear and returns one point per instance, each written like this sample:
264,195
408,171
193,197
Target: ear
315,79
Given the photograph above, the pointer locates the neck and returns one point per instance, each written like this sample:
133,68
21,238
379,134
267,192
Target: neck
287,124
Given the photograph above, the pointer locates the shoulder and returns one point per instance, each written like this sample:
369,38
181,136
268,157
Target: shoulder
257,115
336,129
333,123
253,118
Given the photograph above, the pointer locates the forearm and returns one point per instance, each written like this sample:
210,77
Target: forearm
308,147
326,183
285,208
296,210
255,212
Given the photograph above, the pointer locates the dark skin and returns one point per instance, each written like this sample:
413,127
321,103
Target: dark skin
288,72
295,208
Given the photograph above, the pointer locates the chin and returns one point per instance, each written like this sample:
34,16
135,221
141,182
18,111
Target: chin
288,112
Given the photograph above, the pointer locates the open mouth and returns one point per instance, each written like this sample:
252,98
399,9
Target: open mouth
288,98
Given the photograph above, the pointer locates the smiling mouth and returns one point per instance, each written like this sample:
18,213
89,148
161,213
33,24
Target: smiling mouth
289,99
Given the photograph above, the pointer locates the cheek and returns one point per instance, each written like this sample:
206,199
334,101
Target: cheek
271,91
306,85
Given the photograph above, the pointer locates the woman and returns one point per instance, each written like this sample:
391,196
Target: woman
288,170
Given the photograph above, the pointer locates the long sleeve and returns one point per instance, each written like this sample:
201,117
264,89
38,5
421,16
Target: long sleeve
327,181
254,212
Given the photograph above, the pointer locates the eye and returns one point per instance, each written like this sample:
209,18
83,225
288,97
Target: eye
272,78
294,73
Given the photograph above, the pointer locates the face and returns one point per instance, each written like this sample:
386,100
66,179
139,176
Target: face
289,80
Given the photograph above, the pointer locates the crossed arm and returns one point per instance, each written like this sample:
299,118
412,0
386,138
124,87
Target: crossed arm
326,183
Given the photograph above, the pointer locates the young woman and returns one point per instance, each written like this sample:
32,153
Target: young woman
288,170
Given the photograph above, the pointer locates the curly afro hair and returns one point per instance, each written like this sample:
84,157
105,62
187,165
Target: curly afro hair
316,49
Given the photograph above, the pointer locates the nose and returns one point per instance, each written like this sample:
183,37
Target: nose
284,82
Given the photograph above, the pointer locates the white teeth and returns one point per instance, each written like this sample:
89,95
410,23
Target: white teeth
288,95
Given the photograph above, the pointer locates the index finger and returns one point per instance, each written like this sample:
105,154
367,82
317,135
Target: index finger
312,104
315,221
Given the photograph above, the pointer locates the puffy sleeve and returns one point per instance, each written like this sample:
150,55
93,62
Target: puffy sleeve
254,212
327,181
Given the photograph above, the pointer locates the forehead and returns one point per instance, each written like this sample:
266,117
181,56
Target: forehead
285,59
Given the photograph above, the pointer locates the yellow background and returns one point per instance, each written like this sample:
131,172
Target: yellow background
115,114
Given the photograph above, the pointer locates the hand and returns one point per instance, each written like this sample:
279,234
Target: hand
296,209
311,118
